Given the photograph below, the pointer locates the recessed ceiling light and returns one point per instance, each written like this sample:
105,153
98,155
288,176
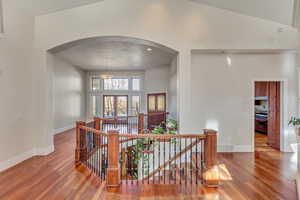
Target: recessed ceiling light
149,49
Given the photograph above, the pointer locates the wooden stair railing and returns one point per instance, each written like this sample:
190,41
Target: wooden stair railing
112,143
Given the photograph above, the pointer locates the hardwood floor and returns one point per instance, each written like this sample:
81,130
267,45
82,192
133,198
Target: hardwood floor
271,175
261,143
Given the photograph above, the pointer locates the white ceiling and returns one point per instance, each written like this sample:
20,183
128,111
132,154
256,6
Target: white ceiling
115,53
41,7
276,10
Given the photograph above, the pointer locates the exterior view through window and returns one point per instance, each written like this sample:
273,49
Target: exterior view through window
116,84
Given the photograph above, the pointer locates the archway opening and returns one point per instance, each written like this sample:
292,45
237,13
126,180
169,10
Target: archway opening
113,77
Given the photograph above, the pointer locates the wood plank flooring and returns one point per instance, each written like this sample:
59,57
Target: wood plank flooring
271,175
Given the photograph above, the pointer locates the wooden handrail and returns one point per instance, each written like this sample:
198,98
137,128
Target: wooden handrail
114,139
163,136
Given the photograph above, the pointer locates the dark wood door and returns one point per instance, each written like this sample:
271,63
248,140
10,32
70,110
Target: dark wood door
156,109
274,114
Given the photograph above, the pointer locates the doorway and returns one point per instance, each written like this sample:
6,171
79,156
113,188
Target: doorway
115,106
156,109
267,115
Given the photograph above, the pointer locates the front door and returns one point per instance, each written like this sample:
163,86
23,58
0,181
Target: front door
115,106
156,110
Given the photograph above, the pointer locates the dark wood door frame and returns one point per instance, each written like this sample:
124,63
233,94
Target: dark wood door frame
156,94
161,115
274,94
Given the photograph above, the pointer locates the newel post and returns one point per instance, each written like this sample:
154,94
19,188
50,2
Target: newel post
80,151
113,170
211,174
141,120
98,123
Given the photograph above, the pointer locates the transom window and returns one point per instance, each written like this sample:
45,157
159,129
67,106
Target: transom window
136,84
96,83
116,84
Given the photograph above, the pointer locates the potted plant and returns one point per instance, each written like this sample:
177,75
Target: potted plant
295,122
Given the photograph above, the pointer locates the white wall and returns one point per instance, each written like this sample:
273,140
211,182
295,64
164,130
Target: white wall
180,25
17,120
69,95
172,90
156,80
223,95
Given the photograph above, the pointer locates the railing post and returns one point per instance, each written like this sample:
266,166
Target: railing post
98,123
211,174
113,170
141,126
80,150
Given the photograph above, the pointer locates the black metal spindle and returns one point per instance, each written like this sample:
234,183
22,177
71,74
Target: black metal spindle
197,167
180,170
169,174
185,163
158,161
164,162
175,150
191,160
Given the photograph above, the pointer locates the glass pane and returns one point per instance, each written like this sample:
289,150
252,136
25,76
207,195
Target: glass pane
109,108
161,103
122,106
115,84
151,103
135,84
95,83
135,105
96,106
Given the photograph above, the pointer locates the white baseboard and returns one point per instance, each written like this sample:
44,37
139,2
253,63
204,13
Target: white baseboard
298,184
235,148
60,130
24,156
243,148
225,148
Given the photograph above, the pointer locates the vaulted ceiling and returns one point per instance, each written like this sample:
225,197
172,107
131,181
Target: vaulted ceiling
115,53
281,11
276,10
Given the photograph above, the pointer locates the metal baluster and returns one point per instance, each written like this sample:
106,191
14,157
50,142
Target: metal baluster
158,161
185,163
170,147
127,164
164,162
197,167
175,150
180,169
191,169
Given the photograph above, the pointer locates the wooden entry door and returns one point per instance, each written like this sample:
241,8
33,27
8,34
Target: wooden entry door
115,106
156,109
274,114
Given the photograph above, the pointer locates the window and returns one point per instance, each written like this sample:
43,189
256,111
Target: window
115,84
135,105
136,84
115,106
96,106
96,84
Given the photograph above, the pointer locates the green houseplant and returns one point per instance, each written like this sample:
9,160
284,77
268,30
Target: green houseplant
295,122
